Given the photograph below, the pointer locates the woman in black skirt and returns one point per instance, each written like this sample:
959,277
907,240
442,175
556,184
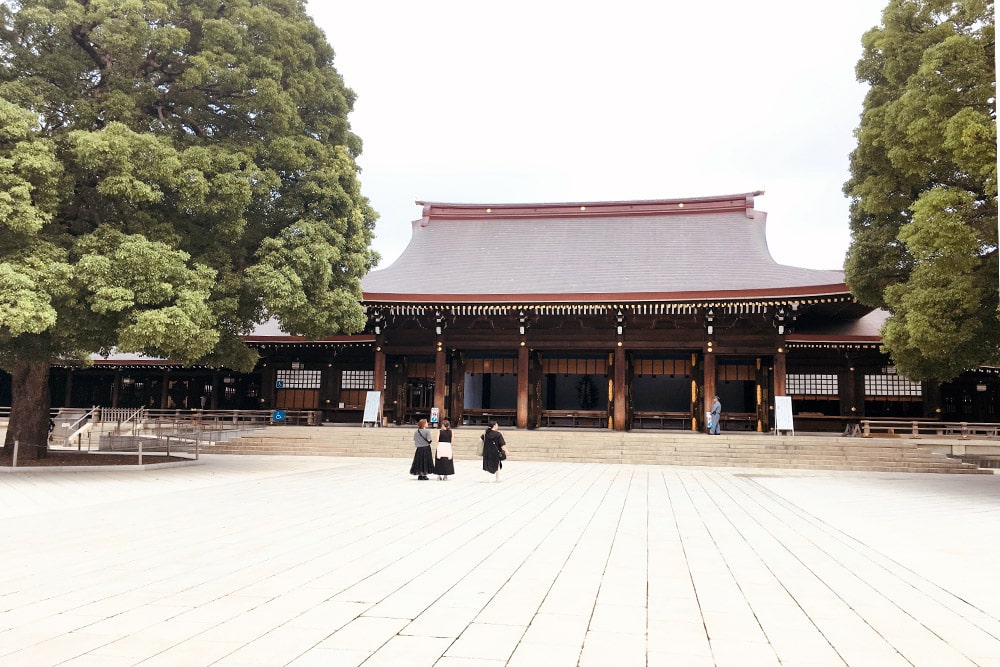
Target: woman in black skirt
445,460
423,460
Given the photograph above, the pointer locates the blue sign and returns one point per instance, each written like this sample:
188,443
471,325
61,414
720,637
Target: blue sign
278,416
280,384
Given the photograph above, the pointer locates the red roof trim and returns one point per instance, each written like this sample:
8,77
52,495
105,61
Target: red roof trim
811,291
722,203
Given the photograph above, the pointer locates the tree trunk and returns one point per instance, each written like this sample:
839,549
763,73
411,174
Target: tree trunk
29,410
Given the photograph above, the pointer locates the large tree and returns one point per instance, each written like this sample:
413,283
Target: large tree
172,172
923,185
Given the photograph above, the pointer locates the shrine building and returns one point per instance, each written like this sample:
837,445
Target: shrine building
620,315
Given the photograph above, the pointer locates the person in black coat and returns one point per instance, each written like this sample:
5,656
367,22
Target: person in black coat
494,450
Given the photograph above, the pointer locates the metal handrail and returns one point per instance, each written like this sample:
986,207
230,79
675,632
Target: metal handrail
75,426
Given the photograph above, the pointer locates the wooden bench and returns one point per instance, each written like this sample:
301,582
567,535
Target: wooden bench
349,414
486,416
595,418
661,420
739,421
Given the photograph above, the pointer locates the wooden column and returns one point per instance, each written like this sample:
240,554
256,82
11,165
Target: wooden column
618,417
456,390
267,389
115,388
780,373
378,382
932,399
858,382
164,391
522,386
216,390
332,380
709,386
440,382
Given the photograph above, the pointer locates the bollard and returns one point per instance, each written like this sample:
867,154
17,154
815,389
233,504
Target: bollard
13,463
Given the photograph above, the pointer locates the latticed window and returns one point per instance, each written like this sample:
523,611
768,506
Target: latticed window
357,379
354,386
890,384
298,379
811,384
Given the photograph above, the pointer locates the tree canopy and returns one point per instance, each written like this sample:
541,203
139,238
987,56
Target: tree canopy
172,172
923,186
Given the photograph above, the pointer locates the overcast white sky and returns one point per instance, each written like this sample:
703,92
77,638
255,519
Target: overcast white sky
553,100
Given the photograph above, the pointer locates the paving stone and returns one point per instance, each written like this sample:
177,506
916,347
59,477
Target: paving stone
326,560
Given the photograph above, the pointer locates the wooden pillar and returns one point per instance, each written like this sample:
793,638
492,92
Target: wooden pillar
440,382
456,390
857,381
931,391
618,375
330,398
267,389
535,377
164,390
378,382
780,373
116,384
709,386
216,390
522,386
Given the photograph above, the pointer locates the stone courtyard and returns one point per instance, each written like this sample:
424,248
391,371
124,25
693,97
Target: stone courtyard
274,560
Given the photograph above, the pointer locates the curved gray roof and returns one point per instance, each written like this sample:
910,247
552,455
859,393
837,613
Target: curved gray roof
667,249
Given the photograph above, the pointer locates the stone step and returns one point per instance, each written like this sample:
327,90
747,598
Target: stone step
602,446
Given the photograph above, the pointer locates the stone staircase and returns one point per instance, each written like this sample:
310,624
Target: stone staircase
816,452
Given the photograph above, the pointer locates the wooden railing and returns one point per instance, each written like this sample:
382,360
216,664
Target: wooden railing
916,428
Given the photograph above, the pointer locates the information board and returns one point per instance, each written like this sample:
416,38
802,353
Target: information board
783,414
373,409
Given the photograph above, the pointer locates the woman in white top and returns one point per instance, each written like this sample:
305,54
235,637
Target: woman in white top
445,465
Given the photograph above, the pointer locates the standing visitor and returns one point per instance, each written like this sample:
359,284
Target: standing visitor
716,416
445,465
423,459
494,451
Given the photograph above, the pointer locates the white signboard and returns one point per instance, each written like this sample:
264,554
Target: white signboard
783,414
373,408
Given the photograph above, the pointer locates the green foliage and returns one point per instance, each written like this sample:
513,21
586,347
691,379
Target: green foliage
171,174
923,186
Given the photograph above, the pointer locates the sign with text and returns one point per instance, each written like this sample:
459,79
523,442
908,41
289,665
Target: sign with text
373,408
783,414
